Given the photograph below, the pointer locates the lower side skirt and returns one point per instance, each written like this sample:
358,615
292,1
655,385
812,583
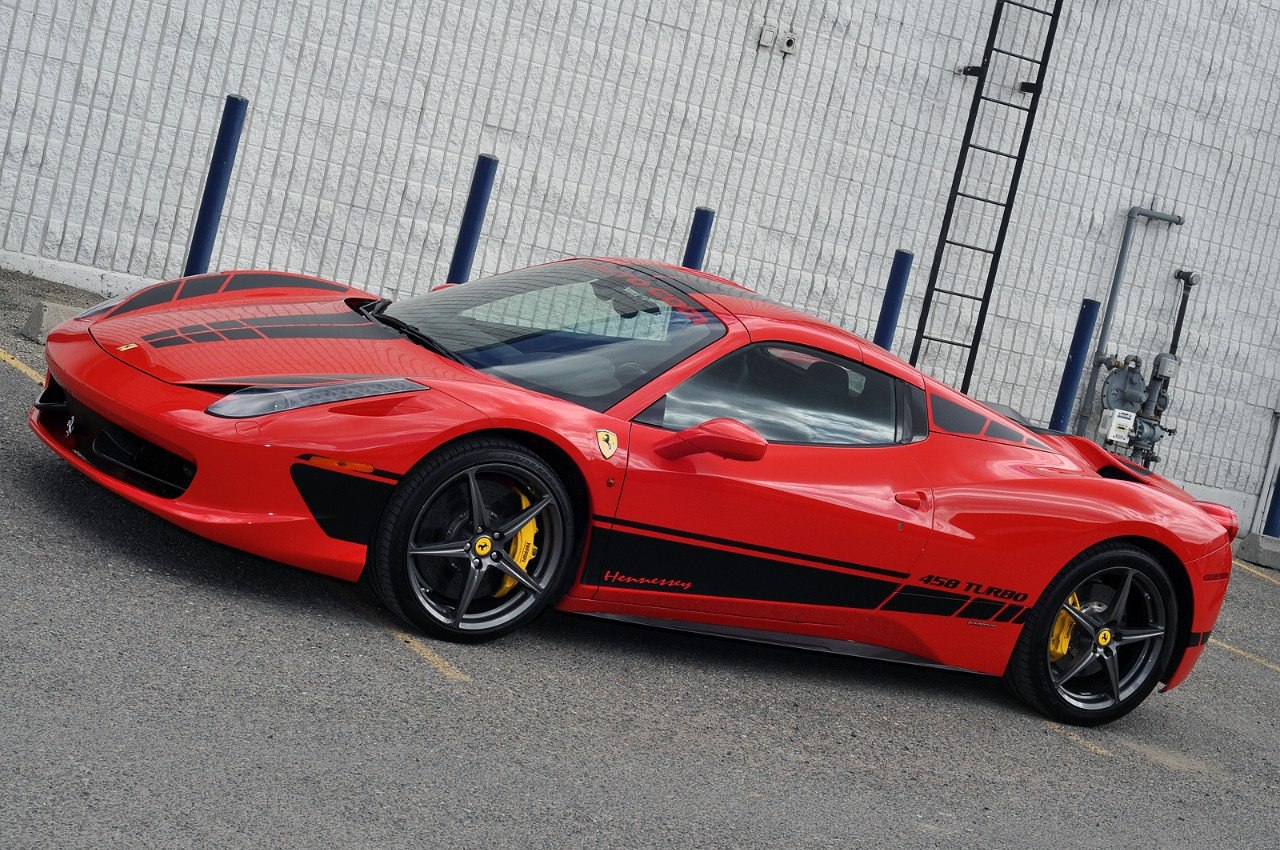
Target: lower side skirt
791,641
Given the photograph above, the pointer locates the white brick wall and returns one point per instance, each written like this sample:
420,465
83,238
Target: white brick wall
614,119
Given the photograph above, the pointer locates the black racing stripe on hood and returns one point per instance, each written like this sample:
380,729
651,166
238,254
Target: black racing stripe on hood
252,280
368,331
325,319
308,380
161,293
158,335
205,285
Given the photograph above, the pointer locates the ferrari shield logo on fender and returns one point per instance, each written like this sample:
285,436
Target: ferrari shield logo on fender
608,442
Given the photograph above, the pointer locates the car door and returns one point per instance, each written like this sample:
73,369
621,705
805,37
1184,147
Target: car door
822,528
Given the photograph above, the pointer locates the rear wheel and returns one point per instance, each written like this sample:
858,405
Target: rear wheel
1099,638
476,541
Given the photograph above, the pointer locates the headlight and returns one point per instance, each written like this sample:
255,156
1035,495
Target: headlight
259,401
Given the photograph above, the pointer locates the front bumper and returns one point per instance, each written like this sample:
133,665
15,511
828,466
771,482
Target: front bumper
243,490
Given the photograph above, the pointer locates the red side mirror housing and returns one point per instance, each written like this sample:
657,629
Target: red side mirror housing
727,438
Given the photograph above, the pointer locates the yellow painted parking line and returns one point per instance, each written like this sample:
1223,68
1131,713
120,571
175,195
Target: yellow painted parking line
21,367
1096,749
435,659
1262,574
1256,659
419,648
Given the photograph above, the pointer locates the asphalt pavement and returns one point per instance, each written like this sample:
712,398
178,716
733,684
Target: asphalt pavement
160,690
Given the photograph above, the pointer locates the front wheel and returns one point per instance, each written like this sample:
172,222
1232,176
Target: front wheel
475,542
1099,639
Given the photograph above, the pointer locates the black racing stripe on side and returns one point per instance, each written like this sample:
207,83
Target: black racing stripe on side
980,609
190,329
1009,612
230,323
206,336
593,568
346,507
1022,615
306,319
925,600
250,280
766,550
161,293
715,572
329,332
173,340
241,333
204,285
158,335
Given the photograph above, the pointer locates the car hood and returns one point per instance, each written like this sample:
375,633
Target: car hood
268,328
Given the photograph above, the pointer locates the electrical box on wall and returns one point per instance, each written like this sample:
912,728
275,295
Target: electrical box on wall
1117,425
776,37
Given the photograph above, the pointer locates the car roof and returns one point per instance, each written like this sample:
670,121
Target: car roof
723,294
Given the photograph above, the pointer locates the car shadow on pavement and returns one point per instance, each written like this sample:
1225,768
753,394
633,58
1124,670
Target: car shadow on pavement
621,644
101,526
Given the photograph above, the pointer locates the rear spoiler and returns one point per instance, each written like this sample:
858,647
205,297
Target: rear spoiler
1111,465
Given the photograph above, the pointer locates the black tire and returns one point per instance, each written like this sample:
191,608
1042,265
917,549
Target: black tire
470,562
1093,658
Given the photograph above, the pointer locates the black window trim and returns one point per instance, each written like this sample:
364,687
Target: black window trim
901,436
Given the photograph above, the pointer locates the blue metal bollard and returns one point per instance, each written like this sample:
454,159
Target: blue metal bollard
464,251
695,250
899,273
1074,367
215,185
1272,526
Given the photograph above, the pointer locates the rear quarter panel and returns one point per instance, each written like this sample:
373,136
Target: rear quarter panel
1012,517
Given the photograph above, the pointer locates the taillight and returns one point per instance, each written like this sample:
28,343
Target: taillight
1223,515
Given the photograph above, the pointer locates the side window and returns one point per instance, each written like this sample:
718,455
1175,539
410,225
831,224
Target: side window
790,394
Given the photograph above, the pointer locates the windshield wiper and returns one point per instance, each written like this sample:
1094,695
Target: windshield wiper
374,312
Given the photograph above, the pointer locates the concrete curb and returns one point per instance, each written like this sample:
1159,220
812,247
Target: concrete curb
1260,550
45,316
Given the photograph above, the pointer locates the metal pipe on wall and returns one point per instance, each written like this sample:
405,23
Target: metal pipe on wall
695,250
899,273
1074,368
464,250
216,181
1100,354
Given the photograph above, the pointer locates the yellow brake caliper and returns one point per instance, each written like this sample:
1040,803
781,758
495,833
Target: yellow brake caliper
1063,626
521,548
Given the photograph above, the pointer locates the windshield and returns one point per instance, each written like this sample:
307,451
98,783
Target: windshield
586,331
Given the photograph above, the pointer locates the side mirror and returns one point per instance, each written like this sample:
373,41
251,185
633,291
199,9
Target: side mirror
727,438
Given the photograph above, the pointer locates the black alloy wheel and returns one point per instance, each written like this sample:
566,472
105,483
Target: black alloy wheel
1100,638
476,541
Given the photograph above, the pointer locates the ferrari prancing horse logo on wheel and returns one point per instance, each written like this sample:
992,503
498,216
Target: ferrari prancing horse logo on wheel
607,441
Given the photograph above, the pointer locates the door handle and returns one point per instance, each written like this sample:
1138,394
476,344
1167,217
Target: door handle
914,499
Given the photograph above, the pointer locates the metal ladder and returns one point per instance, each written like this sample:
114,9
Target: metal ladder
954,297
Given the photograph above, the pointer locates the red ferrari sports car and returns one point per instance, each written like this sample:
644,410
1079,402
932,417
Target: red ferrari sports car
645,443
